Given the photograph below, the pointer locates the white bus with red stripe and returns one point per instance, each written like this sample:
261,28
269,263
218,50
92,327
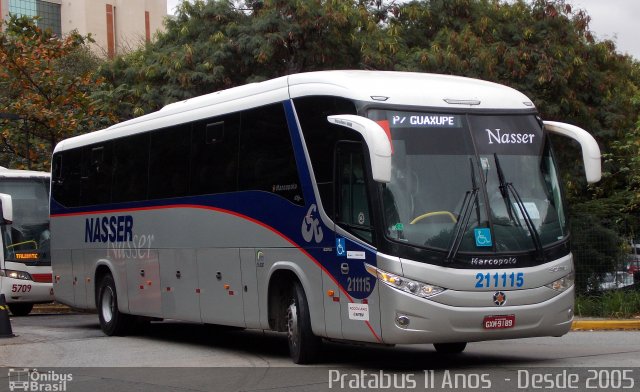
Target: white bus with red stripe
25,262
377,207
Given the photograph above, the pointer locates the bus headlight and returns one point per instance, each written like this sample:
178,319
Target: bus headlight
563,283
15,274
410,286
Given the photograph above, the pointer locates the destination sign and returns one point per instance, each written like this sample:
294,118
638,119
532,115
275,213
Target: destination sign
424,120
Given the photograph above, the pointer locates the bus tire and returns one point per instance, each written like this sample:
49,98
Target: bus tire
20,309
112,321
303,344
450,348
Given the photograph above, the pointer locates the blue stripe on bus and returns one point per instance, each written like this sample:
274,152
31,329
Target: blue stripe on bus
282,217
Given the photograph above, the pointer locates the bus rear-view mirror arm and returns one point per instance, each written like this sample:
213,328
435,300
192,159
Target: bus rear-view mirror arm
590,149
377,141
6,208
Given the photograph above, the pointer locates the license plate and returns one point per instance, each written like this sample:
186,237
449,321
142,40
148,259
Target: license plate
499,322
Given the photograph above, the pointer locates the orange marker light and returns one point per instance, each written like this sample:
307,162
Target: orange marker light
330,293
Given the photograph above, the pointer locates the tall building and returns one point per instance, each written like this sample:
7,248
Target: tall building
116,25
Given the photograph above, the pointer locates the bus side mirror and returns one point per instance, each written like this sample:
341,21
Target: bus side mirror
590,149
6,209
377,141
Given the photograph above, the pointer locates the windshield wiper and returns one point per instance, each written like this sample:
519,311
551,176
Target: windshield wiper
507,188
470,197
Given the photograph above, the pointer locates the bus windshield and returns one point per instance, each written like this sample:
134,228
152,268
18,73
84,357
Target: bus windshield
471,183
26,239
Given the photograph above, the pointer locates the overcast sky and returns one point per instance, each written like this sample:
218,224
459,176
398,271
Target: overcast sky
617,20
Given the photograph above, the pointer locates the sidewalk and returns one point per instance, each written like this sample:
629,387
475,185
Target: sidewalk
51,308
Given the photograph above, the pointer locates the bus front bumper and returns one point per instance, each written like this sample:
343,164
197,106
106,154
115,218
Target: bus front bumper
26,291
407,319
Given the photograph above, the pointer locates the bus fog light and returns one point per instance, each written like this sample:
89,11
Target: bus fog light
402,321
563,283
414,287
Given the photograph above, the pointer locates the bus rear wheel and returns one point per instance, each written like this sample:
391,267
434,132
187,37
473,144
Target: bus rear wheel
112,321
450,348
20,309
303,344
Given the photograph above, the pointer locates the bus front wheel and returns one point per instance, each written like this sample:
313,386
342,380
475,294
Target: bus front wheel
303,344
112,321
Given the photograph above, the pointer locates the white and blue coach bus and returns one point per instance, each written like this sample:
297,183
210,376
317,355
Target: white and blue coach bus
378,207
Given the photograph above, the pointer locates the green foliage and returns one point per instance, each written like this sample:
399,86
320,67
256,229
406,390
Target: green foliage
542,48
596,249
214,45
45,82
599,228
624,154
612,304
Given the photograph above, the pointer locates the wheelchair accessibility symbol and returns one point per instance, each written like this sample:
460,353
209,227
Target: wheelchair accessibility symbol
341,249
482,236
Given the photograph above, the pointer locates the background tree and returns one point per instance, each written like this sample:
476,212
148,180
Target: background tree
46,81
542,48
212,45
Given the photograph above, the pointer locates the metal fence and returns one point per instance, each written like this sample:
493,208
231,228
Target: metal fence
604,258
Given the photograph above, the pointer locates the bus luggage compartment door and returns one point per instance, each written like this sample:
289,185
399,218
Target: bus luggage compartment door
143,281
220,286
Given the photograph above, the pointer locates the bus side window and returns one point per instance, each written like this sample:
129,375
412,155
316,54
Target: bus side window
351,191
95,186
321,136
169,162
56,169
66,180
214,155
130,168
267,161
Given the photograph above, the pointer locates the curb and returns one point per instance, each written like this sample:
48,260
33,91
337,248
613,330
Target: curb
51,308
605,325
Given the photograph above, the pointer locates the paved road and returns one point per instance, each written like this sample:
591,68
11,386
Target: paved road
177,356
